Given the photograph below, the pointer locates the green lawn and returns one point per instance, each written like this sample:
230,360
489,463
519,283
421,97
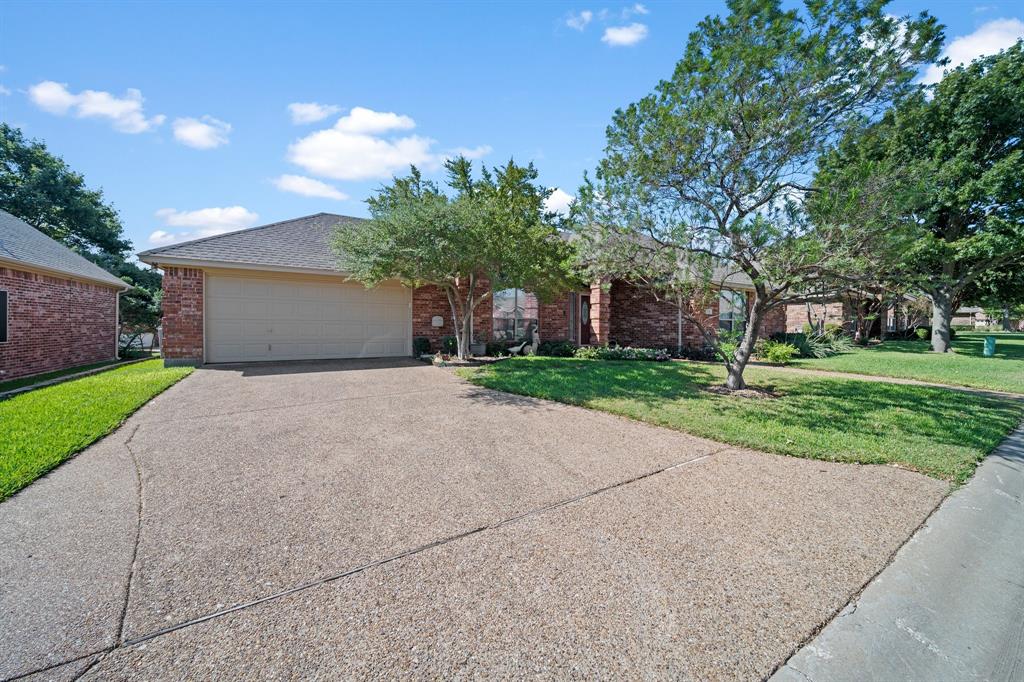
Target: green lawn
912,360
935,431
42,428
38,378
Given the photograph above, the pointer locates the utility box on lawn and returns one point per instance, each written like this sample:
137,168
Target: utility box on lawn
990,346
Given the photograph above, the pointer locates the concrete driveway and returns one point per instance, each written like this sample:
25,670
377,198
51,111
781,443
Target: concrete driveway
375,519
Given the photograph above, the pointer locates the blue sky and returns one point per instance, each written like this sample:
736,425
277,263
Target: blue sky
181,111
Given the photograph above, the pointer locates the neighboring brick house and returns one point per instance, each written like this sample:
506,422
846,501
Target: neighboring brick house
57,309
275,292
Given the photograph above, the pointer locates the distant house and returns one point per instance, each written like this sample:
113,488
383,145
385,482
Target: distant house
275,292
57,309
971,316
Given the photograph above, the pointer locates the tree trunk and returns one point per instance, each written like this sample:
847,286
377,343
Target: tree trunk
735,381
942,317
1006,318
459,316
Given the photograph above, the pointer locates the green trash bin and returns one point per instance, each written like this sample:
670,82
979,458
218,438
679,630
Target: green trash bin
990,346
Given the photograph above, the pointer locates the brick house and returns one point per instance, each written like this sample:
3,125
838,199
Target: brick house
57,309
275,293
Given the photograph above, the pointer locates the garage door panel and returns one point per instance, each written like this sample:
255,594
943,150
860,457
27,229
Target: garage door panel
252,319
225,309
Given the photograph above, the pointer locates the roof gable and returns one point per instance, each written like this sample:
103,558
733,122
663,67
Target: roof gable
302,243
24,244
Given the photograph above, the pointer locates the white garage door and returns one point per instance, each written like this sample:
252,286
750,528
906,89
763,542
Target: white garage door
250,319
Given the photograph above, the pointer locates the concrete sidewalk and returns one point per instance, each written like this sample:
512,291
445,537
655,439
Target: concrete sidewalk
951,605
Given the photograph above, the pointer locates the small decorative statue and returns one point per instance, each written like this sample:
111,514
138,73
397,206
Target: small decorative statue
536,340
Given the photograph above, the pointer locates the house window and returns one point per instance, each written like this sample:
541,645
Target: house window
732,311
515,312
3,317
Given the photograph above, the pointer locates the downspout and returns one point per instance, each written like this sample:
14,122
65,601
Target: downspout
117,323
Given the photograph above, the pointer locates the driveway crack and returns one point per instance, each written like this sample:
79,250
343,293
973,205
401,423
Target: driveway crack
139,508
421,548
123,642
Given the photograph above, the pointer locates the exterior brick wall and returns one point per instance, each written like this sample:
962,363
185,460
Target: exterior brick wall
55,323
775,322
821,313
639,318
600,314
431,300
183,315
554,319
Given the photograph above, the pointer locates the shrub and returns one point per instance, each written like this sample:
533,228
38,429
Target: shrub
420,346
776,352
922,333
807,329
557,349
449,345
620,353
838,344
832,330
701,353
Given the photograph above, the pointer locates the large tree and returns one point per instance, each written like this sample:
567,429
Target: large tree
713,167
487,233
45,192
42,190
959,153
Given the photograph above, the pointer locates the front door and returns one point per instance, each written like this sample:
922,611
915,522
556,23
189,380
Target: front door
584,320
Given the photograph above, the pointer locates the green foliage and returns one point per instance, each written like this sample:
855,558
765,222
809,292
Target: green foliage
777,353
951,166
621,353
139,313
557,349
42,190
923,333
833,330
492,229
700,179
449,345
420,346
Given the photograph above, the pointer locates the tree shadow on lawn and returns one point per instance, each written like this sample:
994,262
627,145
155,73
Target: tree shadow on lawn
830,418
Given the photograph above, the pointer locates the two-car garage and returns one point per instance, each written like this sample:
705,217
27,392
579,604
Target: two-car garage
252,318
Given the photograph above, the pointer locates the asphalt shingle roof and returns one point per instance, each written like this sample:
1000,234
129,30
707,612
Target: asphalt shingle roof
22,243
299,243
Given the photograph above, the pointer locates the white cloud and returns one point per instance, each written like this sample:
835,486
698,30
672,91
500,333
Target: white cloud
365,121
579,21
624,36
640,9
308,187
470,152
344,156
989,38
310,112
201,133
559,201
4,90
359,147
125,113
204,222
